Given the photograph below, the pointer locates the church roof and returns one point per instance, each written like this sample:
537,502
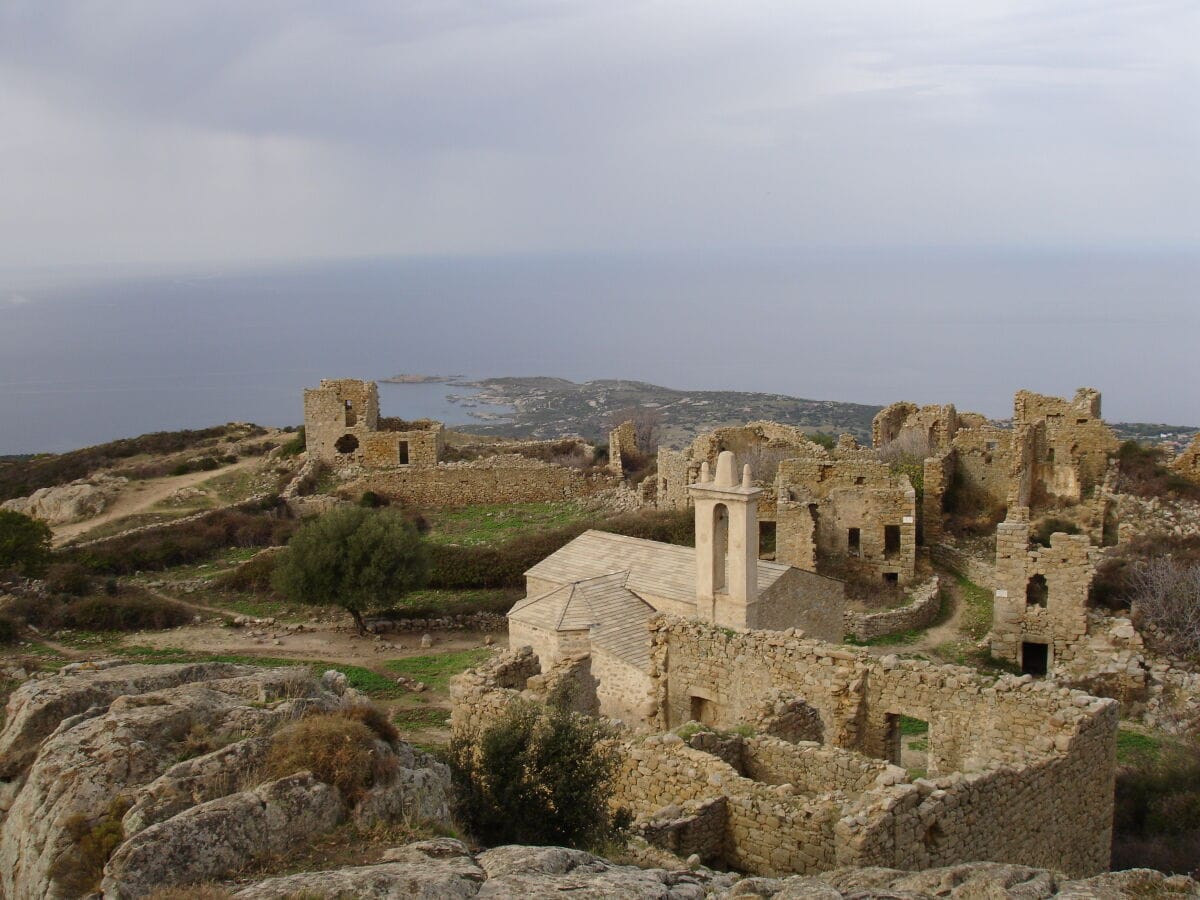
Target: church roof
654,569
615,616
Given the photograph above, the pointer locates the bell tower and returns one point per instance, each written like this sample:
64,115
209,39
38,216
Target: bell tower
726,545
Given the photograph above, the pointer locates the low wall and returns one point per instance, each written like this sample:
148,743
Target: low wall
979,571
467,484
925,605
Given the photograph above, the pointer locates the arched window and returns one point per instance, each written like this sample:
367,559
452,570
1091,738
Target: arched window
720,545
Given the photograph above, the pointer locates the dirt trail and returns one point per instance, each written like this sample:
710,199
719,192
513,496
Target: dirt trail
140,496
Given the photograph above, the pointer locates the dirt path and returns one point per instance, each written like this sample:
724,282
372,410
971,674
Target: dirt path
140,496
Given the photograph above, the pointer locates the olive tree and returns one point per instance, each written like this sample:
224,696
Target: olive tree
358,559
24,543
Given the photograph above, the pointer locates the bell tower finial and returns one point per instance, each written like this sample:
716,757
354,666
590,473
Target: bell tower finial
726,545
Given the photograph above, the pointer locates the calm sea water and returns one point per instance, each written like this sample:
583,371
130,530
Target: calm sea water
90,357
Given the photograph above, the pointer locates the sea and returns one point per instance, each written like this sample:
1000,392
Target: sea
92,355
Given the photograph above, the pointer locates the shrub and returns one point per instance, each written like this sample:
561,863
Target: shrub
969,509
10,630
295,446
355,558
39,611
1040,533
124,613
1166,594
375,719
68,578
372,500
670,527
24,543
253,575
187,542
81,866
537,775
338,750
1156,821
1144,473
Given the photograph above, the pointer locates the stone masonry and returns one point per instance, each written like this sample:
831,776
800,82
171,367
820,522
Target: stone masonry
342,427
1018,771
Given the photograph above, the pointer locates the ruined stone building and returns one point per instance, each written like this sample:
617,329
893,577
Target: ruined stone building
342,427
1187,463
797,769
406,460
834,515
596,594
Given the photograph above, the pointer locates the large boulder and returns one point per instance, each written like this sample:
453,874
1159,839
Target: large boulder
159,766
74,502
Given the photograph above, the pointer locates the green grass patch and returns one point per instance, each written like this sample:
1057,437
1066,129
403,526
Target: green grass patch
976,619
427,717
918,746
910,726
432,604
494,523
1136,748
437,669
371,683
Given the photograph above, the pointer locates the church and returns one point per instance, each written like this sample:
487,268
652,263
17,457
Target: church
596,595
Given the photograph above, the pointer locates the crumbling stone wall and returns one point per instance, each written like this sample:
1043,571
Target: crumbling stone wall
1021,771
622,441
1041,592
983,460
498,479
838,512
761,445
1072,449
922,608
931,427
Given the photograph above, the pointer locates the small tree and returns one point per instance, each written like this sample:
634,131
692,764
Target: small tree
24,543
647,426
358,559
538,775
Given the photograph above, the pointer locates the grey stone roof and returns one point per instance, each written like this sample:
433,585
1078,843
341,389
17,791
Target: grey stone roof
615,616
655,569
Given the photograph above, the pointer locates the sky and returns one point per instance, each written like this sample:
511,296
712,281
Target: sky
147,132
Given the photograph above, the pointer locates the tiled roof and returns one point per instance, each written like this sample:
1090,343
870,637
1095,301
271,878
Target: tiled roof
615,616
655,569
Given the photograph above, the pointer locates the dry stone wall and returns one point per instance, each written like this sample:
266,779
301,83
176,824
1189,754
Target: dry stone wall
924,604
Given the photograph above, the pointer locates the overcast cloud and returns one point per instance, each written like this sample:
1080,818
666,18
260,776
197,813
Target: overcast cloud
151,130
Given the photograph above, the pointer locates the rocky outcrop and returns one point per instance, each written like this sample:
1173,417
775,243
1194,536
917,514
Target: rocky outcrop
167,759
72,502
445,868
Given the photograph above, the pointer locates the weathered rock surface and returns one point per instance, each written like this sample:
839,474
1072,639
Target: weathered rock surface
72,502
445,868
76,742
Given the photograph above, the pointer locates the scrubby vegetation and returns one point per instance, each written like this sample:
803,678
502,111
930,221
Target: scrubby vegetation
338,748
969,510
1156,822
117,608
19,478
24,543
80,867
1144,473
186,542
538,775
356,558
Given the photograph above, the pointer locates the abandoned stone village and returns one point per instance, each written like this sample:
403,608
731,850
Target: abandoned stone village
768,684
794,763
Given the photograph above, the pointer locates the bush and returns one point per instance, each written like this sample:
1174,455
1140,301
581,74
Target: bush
1156,821
81,866
68,578
1166,594
24,543
375,719
296,445
187,542
254,575
969,509
1040,533
355,558
10,630
39,611
337,748
124,613
537,775
372,500
1144,473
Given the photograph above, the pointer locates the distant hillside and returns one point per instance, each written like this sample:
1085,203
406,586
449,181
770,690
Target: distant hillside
555,407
